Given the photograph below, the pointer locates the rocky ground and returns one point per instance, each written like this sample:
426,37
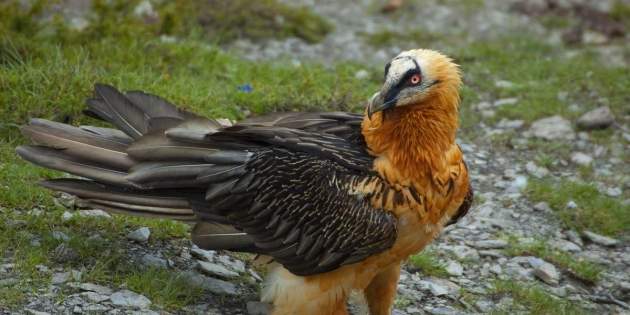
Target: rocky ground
511,245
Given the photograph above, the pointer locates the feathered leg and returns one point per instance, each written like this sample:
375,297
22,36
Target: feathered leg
381,292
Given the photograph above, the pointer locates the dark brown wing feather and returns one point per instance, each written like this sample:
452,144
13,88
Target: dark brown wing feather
276,185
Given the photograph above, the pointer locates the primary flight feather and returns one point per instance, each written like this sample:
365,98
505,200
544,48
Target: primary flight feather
338,200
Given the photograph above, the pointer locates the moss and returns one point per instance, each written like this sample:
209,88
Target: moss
594,211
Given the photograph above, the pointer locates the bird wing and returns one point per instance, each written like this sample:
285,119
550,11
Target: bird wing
280,188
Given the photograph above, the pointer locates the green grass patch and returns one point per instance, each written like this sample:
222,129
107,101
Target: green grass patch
227,20
594,211
385,38
429,264
579,268
163,287
536,300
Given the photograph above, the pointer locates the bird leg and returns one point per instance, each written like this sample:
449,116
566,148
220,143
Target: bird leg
381,291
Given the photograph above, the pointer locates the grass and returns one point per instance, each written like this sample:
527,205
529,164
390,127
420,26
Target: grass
579,268
536,300
163,287
429,264
594,211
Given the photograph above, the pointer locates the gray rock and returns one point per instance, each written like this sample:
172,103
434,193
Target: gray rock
581,159
60,236
140,235
258,308
599,118
566,246
60,277
231,263
95,297
505,101
574,237
535,170
439,287
126,298
571,205
149,260
454,268
600,239
207,255
542,206
503,84
362,74
95,309
64,253
34,312
215,286
518,184
490,244
552,128
463,252
87,286
94,213
148,312
614,192
215,270
544,271
442,310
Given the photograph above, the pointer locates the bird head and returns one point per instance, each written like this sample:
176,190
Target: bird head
416,77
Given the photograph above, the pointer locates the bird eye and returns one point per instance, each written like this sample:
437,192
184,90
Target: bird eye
415,79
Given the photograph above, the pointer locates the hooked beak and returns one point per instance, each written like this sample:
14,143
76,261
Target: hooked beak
378,104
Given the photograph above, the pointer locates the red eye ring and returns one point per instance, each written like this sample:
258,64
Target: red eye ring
415,79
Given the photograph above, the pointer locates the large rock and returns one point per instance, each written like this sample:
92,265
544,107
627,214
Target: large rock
131,299
140,235
600,239
212,269
599,118
213,285
544,271
552,128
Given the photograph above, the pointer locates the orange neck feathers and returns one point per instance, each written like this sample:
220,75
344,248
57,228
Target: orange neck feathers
414,138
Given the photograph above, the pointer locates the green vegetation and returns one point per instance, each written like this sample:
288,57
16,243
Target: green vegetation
536,300
226,20
385,38
579,268
428,263
594,211
163,287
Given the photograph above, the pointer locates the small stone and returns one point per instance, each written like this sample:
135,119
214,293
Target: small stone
484,306
140,235
439,287
67,216
87,286
581,159
42,268
78,23
95,309
64,253
571,205
207,255
490,244
95,297
145,9
535,170
361,74
215,286
542,206
552,128
505,101
131,299
60,277
503,84
215,270
463,252
234,264
258,308
496,269
599,118
60,236
517,185
149,260
566,246
544,271
454,268
574,237
600,239
94,213
614,192
76,275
